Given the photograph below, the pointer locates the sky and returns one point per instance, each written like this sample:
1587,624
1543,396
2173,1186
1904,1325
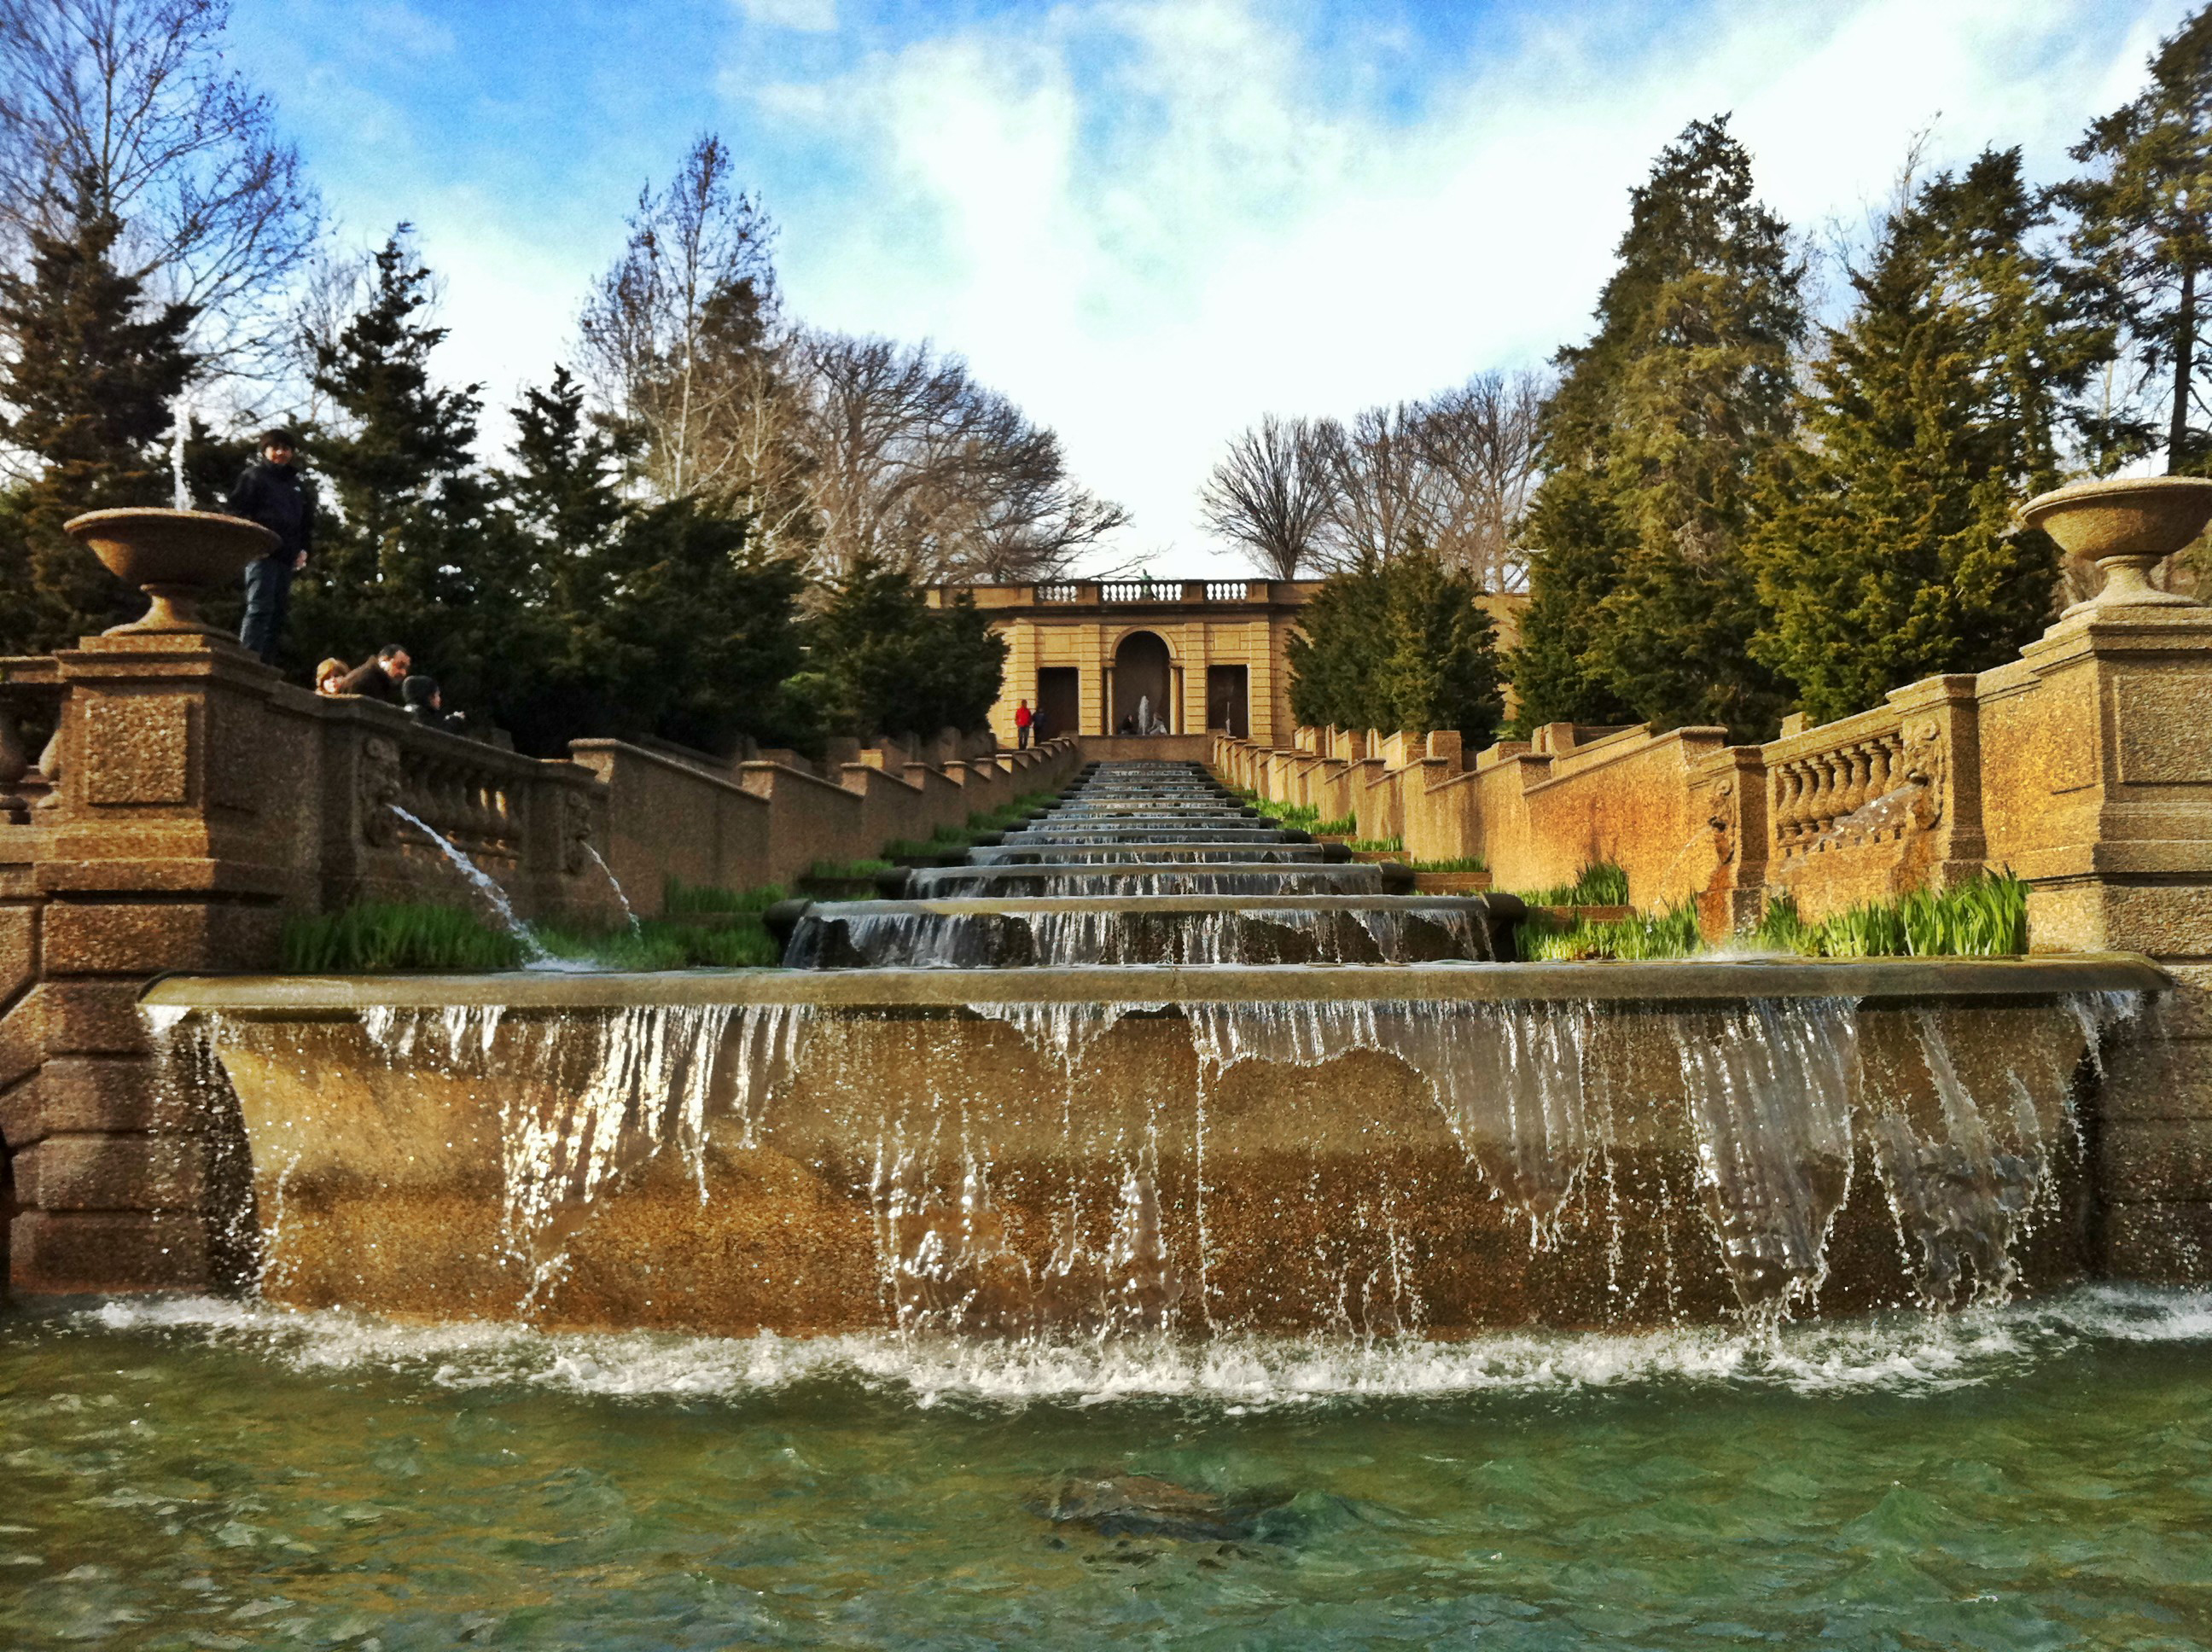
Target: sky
1148,222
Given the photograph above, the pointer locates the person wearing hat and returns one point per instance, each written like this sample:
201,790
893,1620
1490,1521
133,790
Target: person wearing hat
270,493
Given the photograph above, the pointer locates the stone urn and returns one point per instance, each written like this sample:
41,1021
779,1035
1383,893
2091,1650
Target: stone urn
2127,526
175,557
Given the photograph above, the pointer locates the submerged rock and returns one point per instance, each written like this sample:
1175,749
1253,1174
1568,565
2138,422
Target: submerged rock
1140,1505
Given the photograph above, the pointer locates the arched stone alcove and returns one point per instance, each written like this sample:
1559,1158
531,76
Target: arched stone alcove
1143,669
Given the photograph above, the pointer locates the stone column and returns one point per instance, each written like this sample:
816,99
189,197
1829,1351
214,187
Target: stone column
2097,789
173,842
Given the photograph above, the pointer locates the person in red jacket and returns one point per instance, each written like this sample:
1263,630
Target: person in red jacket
1023,719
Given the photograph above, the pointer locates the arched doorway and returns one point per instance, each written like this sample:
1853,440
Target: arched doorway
1141,671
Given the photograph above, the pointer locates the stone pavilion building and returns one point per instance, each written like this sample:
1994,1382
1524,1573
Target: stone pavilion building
1204,655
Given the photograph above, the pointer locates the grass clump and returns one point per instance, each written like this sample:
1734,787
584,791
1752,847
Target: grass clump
680,899
1302,817
834,869
1461,862
743,942
1604,885
983,821
1379,845
381,937
1984,917
1673,934
1344,828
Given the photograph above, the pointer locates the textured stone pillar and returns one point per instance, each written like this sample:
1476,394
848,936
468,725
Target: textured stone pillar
171,843
2097,788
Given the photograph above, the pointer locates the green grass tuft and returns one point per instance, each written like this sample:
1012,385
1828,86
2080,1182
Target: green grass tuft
1300,816
1673,934
743,942
382,937
1984,917
679,898
1604,885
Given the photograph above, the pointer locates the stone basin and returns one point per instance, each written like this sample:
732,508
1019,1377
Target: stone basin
2126,525
175,556
1063,931
1217,876
1427,1150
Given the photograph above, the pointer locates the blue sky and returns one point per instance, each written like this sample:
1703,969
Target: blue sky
1148,220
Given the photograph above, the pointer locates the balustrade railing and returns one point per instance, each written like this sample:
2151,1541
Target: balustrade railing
1136,591
1228,591
465,803
1064,591
1818,797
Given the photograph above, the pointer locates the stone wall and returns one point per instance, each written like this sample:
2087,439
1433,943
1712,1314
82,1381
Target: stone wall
190,800
766,822
2084,768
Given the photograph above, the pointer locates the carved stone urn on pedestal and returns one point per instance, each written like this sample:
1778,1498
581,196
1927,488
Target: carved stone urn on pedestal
2127,526
176,558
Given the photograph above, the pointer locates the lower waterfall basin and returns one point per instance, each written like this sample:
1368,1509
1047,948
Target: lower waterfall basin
194,1472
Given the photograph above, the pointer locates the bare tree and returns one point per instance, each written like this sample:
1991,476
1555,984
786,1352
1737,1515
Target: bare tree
912,462
677,333
1480,445
1382,495
1270,496
124,107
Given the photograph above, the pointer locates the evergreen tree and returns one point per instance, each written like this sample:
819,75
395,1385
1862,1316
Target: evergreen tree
566,485
413,555
2142,238
882,661
1641,602
89,385
1886,552
1397,645
690,634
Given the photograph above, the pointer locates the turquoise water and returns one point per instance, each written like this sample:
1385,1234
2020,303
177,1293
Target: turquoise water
195,1474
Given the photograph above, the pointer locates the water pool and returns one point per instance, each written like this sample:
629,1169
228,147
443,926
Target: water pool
197,1473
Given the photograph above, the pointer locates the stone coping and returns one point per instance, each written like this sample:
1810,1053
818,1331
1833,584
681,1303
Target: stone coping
1676,981
956,906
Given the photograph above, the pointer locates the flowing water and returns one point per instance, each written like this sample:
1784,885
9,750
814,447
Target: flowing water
1133,1456
205,1475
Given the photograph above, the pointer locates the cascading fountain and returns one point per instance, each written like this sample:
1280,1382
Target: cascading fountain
1053,1092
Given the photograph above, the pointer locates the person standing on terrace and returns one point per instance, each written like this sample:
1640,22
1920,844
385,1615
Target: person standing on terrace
269,492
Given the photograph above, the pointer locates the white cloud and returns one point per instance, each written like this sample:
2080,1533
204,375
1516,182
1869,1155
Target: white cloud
1151,220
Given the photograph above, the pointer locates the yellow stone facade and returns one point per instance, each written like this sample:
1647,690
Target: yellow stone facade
1204,654
1089,649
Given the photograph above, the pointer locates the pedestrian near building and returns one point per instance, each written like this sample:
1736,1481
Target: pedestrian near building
269,492
1022,719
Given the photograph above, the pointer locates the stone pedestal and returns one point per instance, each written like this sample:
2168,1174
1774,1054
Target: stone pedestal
166,844
2097,772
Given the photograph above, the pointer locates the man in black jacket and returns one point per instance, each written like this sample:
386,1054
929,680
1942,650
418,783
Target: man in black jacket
271,494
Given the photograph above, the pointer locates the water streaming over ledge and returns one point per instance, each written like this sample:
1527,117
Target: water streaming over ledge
1240,1097
1643,1190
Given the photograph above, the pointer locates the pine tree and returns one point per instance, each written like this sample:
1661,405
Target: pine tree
411,557
2142,240
1640,599
566,483
1402,645
882,661
694,633
1886,552
90,382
